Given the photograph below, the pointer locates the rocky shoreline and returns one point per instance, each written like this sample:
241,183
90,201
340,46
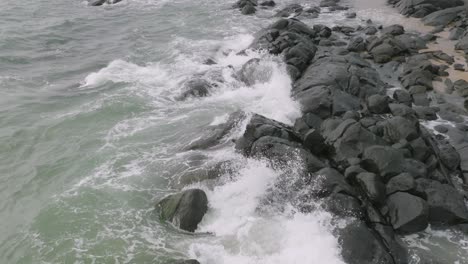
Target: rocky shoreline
366,151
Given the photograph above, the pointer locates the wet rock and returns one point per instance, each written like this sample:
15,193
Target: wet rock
352,171
383,160
378,104
441,129
328,181
461,87
357,44
185,209
446,204
370,30
248,9
291,38
414,167
196,88
101,2
350,15
344,102
394,30
372,186
423,8
215,135
443,17
289,10
403,97
408,213
342,205
449,156
420,99
253,71
349,139
314,141
360,245
269,3
402,110
403,182
456,33
350,74
425,113
385,48
398,128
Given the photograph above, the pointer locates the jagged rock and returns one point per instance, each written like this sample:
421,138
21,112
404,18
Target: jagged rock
394,30
350,74
449,156
269,3
383,160
402,110
422,8
196,88
443,17
446,204
372,186
408,213
370,30
385,48
461,86
425,113
291,38
328,181
349,139
357,44
398,128
403,97
419,149
403,182
185,209
378,104
342,205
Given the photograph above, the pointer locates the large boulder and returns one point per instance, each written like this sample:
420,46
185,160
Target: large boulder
443,17
384,160
421,8
350,74
349,138
372,186
446,204
185,209
291,38
360,245
408,213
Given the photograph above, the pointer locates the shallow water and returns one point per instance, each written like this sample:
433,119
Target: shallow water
91,135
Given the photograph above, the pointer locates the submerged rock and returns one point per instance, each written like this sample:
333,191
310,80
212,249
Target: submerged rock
185,209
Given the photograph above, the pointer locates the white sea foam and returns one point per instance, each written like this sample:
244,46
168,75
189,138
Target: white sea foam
243,235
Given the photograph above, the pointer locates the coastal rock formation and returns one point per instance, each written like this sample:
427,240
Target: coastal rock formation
185,209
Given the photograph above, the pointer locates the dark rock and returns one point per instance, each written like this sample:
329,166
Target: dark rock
248,9
403,182
185,210
414,167
269,3
420,99
402,110
314,141
350,139
425,113
342,205
402,97
350,15
329,181
344,102
449,156
360,245
357,44
383,160
446,204
394,30
443,17
423,8
370,30
196,88
385,48
441,129
378,104
372,186
352,171
408,213
456,33
398,128
289,10
461,87
459,67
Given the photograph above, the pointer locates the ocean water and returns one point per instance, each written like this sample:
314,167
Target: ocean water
92,135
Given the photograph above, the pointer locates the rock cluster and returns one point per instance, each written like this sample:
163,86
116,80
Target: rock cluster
365,154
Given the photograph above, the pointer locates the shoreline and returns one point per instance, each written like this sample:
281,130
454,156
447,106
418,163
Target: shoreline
369,155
